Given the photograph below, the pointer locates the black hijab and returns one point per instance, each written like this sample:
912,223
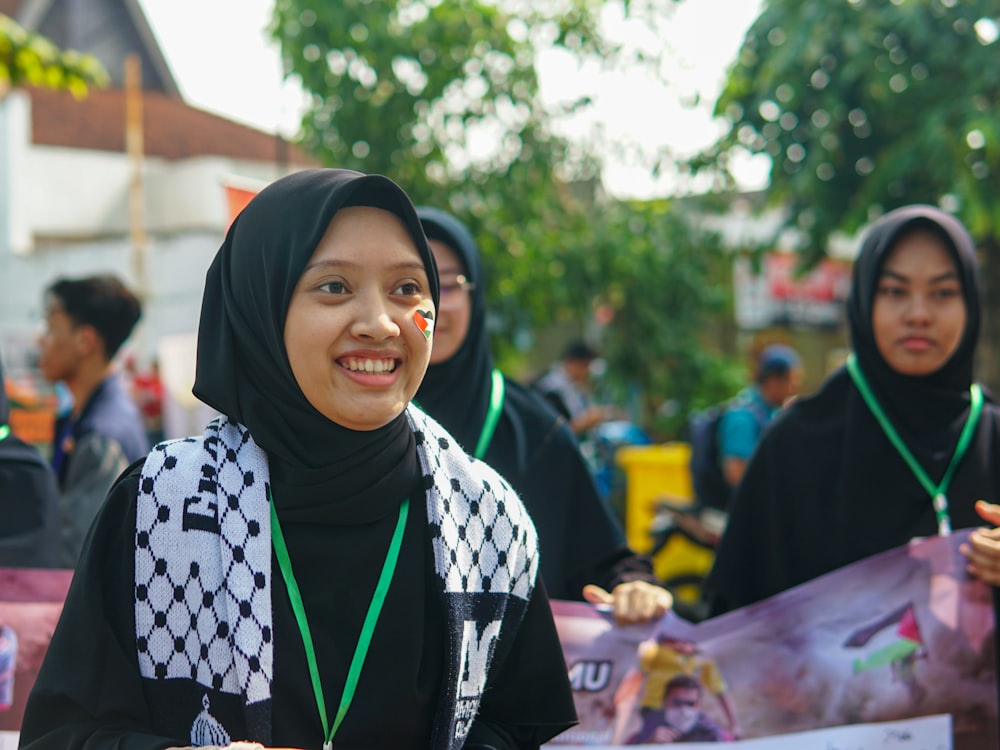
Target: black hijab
457,392
926,403
243,369
532,448
825,486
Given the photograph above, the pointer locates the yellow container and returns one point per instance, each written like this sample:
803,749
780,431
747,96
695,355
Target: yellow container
652,472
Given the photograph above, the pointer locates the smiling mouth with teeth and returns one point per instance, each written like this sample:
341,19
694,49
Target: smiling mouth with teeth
374,366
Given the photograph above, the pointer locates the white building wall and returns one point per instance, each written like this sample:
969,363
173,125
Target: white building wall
15,125
73,193
64,212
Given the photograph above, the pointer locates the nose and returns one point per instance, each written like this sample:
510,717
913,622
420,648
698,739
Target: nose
919,309
373,320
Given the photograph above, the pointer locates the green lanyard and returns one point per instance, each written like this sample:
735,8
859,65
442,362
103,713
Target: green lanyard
492,416
367,629
4,431
939,493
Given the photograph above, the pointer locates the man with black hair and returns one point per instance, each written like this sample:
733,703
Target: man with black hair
681,718
87,321
566,385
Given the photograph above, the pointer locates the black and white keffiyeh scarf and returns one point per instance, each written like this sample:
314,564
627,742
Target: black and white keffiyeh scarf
203,568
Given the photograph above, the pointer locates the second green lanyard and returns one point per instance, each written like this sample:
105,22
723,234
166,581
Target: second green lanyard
938,492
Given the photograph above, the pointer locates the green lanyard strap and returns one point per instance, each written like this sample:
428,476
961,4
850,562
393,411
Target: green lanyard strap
4,431
492,416
939,492
367,629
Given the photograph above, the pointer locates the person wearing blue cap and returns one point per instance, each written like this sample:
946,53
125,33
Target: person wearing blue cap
778,378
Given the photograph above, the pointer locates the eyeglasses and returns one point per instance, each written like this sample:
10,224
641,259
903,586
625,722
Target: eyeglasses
453,289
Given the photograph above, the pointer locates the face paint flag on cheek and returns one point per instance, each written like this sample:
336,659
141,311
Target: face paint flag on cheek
425,322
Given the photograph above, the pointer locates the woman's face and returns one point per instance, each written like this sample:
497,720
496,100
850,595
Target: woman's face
455,310
352,334
919,312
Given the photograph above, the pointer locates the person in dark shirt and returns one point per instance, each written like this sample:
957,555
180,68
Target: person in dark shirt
681,719
566,385
86,322
29,500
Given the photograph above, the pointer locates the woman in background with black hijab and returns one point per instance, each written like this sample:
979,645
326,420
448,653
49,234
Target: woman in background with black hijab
517,433
324,563
29,500
899,443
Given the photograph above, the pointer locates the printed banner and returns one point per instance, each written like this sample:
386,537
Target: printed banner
30,603
849,660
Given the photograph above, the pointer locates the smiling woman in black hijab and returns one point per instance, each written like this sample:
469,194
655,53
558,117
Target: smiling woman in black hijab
521,436
324,562
893,446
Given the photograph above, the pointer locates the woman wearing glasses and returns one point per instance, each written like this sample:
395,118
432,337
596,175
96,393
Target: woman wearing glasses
515,431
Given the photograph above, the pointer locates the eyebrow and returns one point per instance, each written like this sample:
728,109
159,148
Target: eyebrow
946,276
334,264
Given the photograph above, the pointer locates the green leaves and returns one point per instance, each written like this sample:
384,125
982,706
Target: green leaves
863,106
30,59
444,98
866,105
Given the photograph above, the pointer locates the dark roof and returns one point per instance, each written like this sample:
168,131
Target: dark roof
108,29
172,129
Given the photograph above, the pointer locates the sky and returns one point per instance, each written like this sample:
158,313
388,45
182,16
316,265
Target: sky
223,61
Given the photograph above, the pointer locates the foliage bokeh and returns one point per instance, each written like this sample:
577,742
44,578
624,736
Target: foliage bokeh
444,98
866,105
29,59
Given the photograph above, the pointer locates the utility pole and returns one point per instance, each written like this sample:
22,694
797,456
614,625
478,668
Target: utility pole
134,149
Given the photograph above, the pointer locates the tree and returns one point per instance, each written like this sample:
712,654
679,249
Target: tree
444,98
27,58
866,105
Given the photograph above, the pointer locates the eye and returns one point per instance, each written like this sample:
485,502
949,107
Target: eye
891,290
408,289
946,293
333,287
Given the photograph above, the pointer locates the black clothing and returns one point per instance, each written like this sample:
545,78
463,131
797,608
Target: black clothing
825,487
132,661
581,542
457,392
29,500
89,685
532,447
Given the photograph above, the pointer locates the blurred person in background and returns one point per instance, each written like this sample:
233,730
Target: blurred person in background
86,322
777,379
29,500
899,443
520,435
566,385
148,393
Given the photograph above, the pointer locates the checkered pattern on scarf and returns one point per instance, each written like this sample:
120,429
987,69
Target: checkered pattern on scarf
483,539
206,617
203,559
